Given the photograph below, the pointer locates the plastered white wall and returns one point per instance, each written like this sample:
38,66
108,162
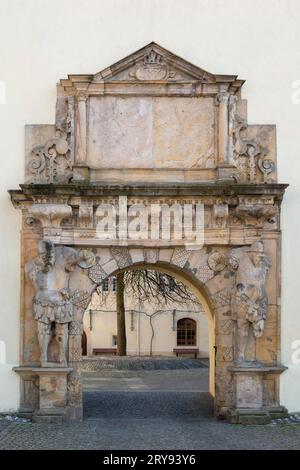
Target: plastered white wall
42,41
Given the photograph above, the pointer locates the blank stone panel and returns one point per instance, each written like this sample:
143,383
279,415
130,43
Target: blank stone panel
183,133
120,132
146,132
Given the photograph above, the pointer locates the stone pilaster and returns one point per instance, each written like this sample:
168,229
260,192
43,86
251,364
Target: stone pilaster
80,168
225,168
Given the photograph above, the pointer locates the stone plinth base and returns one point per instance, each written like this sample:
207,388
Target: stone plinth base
44,392
255,416
256,391
50,416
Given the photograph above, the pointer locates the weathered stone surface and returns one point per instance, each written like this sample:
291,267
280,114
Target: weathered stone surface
120,132
150,133
157,130
249,298
35,135
175,119
52,303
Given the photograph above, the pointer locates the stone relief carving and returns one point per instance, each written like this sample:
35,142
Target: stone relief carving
153,67
50,215
225,327
32,224
249,300
216,261
204,273
52,303
97,274
81,299
249,155
74,388
75,350
151,255
227,353
86,259
221,298
220,215
255,214
121,256
76,326
180,256
85,216
58,307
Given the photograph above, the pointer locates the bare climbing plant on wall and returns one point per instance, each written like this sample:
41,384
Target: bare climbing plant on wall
145,285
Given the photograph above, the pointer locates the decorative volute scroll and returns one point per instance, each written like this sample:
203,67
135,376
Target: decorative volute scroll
156,134
250,156
50,215
50,163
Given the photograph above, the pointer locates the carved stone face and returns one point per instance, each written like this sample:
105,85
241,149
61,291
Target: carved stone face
46,253
71,261
257,258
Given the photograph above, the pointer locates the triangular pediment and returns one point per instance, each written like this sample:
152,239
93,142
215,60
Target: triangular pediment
150,65
153,63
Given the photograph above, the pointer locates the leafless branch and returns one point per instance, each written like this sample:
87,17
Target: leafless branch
146,284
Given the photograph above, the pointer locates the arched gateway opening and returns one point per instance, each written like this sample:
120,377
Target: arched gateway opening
151,162
198,288
151,366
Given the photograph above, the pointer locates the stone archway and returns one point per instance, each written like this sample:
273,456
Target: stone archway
156,132
172,262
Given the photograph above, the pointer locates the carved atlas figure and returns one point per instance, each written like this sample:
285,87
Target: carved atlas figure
249,298
52,303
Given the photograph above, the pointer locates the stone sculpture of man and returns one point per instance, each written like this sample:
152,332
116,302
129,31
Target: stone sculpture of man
52,305
249,299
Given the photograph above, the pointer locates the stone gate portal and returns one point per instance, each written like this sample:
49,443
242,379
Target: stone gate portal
149,134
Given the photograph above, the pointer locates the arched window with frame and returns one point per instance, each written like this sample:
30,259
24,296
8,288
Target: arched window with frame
186,332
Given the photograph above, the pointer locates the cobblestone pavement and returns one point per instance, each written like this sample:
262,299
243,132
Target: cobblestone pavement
4,424
193,380
147,405
100,363
158,415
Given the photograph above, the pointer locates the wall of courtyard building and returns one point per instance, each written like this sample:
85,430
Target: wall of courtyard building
100,326
47,40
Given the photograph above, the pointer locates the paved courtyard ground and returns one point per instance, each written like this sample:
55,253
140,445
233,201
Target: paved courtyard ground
147,409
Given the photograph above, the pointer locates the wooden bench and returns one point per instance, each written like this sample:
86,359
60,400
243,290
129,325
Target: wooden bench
99,351
194,351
